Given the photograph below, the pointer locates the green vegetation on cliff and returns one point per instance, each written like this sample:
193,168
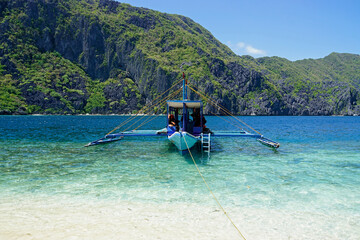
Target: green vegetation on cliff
102,56
10,95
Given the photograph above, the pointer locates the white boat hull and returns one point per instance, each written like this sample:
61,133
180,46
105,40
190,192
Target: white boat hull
183,140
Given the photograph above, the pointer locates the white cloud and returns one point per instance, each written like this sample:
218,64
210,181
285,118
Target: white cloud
242,48
251,50
240,45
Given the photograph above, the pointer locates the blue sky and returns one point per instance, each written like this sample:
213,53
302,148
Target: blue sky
293,29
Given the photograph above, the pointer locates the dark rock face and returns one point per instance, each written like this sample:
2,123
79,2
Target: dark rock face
241,82
253,94
145,22
53,102
308,104
110,6
3,5
84,42
115,92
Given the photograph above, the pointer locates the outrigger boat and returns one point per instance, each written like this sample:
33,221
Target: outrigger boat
185,124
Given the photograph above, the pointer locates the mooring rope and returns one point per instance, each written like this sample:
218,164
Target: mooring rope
213,195
160,103
146,107
226,111
231,122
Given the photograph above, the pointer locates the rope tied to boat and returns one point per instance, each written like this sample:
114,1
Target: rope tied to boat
213,195
223,109
146,107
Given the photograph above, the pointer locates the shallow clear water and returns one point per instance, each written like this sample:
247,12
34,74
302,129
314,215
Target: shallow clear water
316,169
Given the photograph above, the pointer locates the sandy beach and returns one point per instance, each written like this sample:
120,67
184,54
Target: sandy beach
53,218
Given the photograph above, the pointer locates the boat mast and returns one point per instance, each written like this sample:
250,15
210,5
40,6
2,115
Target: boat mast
184,105
184,88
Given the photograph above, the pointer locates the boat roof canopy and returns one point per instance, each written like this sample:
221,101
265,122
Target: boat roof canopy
189,104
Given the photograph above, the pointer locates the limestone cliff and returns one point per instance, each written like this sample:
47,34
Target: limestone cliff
102,56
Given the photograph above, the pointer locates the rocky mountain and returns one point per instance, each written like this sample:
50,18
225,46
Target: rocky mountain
103,56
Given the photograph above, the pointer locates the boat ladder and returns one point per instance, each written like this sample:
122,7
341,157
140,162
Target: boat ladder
205,143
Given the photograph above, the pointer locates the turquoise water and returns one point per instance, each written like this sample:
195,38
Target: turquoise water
316,169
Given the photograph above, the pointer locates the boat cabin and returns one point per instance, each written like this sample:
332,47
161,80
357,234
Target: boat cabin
185,116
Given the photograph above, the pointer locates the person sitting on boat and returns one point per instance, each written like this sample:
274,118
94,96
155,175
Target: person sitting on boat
196,117
172,122
205,129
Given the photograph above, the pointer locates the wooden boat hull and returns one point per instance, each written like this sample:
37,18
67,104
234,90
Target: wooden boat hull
183,140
